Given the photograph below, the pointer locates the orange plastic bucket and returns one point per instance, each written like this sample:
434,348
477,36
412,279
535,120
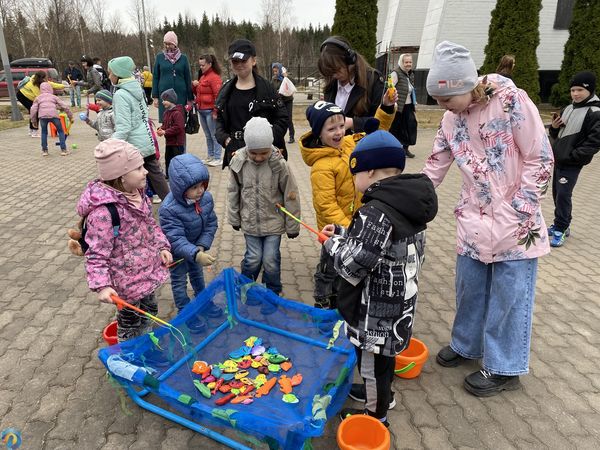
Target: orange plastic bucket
110,333
410,362
362,432
66,125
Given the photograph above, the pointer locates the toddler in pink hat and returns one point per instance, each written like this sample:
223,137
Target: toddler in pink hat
127,253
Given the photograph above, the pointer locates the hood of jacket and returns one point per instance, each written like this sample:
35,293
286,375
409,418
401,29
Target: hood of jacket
184,172
241,157
46,88
132,86
311,151
96,194
409,201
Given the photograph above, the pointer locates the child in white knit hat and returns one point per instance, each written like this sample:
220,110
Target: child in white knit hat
260,179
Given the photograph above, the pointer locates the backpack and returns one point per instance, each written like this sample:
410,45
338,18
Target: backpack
104,80
23,82
115,222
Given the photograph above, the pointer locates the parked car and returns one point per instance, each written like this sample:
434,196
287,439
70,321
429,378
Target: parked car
32,62
18,73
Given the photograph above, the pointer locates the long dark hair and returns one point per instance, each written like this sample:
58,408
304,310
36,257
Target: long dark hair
214,63
506,66
39,77
333,58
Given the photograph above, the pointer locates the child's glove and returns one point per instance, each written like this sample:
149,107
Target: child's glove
204,259
93,107
83,116
293,235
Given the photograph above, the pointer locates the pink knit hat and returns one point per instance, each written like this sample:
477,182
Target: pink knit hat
116,158
170,38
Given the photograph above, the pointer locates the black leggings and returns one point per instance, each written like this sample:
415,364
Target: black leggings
27,104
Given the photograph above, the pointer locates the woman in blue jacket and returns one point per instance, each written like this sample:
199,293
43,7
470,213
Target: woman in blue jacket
171,71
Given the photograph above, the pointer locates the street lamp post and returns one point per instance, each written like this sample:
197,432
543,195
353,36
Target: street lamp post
15,113
146,34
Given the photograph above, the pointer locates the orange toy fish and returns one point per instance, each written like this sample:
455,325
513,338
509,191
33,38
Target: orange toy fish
296,379
285,384
266,388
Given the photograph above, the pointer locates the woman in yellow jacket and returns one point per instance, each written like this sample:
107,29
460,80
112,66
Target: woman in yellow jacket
326,149
28,93
147,84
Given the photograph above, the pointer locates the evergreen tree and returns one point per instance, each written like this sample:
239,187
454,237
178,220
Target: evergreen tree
581,50
205,37
514,29
356,20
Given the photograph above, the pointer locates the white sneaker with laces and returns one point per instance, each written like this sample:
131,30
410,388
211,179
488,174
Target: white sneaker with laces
216,163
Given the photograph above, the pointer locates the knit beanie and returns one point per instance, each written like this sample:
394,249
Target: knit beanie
122,66
169,95
258,134
116,158
452,72
170,38
318,113
586,80
378,150
104,95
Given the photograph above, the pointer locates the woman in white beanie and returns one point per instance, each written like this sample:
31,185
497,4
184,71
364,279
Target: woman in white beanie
494,132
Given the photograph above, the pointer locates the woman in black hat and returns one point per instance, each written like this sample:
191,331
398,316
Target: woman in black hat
244,96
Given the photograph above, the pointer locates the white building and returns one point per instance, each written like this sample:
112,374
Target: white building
416,26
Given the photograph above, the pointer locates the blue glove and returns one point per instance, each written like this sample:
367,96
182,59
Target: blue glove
83,116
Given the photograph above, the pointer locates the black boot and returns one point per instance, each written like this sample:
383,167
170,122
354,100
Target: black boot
485,384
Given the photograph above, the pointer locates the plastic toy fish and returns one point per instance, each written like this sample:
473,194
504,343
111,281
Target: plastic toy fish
204,389
218,385
263,369
227,376
391,89
244,364
260,380
285,384
296,379
224,400
201,368
208,379
236,384
286,365
224,388
242,399
242,351
251,341
257,350
273,350
216,372
290,398
274,367
276,359
266,388
229,366
241,374
255,364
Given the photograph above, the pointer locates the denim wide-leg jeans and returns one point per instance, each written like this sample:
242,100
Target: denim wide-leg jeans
494,308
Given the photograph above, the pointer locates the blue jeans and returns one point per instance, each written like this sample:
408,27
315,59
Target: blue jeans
494,309
208,126
59,130
179,276
75,92
263,251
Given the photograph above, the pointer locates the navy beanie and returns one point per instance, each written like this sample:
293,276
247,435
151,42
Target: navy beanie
318,113
586,80
378,150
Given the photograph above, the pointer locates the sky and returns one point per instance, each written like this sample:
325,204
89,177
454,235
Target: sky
303,12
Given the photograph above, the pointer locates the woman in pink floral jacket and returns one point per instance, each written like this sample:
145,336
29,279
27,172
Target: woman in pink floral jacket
130,261
494,133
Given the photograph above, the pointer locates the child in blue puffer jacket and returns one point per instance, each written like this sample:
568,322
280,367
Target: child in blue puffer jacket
188,219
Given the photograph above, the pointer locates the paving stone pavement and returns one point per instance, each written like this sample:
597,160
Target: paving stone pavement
54,390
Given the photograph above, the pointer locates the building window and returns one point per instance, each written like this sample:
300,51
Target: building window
564,14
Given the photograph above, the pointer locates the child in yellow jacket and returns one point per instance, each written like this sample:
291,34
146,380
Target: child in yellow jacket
326,149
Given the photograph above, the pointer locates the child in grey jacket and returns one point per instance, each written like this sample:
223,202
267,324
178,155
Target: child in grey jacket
260,179
105,121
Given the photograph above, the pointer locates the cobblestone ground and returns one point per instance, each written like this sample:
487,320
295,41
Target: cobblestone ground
53,387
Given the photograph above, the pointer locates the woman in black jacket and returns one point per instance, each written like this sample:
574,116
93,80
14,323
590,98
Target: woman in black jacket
244,96
351,83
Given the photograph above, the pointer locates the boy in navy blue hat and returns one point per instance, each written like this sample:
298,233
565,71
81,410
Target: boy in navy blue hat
378,259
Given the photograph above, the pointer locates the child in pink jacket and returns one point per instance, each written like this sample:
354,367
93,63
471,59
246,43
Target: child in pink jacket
45,110
494,133
129,262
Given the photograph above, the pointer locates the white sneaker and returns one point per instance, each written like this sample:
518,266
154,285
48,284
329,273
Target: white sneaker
35,134
216,163
207,161
156,199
